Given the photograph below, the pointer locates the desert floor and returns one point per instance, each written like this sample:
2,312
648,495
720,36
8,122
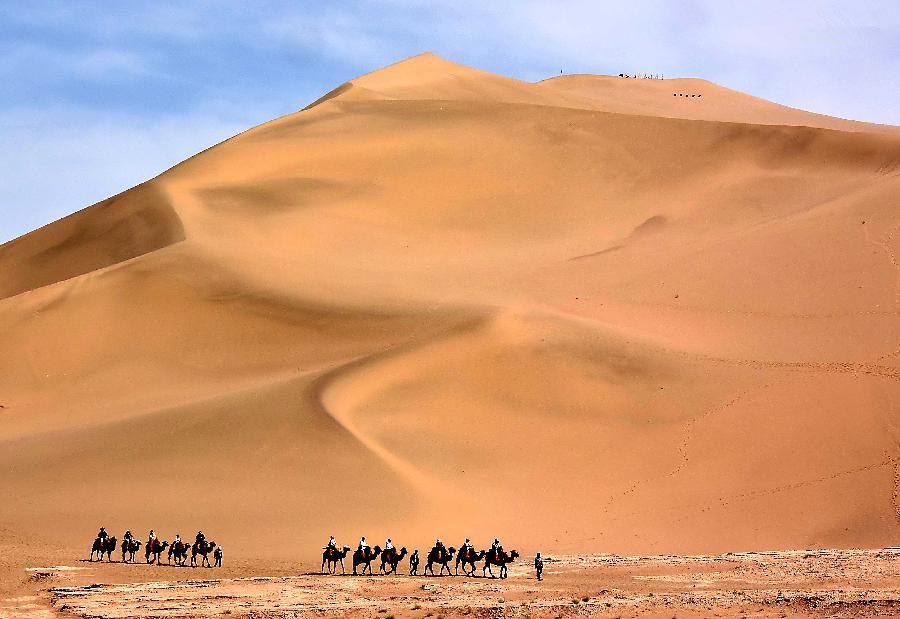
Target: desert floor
814,583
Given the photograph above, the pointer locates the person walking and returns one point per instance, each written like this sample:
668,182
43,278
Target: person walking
539,566
414,563
217,554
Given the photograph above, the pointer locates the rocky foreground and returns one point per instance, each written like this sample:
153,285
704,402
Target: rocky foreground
815,583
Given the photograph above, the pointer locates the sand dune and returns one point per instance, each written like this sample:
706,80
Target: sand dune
583,314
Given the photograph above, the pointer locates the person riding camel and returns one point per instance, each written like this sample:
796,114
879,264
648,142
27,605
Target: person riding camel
177,539
466,547
102,534
151,539
388,545
363,546
129,537
496,547
332,544
439,547
200,539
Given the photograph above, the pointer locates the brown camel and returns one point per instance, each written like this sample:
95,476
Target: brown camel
468,556
499,557
179,550
203,550
360,557
129,550
392,558
103,547
442,558
333,556
153,552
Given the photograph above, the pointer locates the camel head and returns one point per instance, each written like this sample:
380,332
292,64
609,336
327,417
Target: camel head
346,549
451,551
376,551
403,551
514,555
164,545
211,545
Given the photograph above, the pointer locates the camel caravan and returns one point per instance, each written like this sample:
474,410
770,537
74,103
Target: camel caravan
439,556
178,550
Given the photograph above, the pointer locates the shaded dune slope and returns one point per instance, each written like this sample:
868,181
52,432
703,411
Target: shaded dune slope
130,224
437,300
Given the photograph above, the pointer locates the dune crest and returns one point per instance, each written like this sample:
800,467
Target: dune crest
584,314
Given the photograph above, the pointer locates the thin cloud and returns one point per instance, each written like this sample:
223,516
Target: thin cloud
103,95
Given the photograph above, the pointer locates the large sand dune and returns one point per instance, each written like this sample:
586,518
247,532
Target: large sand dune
582,314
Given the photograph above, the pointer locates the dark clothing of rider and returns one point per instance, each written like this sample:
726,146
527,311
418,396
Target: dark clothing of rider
102,534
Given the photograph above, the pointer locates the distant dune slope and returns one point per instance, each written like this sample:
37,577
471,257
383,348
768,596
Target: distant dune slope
116,229
582,314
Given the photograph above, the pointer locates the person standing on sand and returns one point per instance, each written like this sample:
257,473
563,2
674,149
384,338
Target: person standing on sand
539,565
217,554
414,563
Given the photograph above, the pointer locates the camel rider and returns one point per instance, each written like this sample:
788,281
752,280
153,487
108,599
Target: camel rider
128,537
177,539
201,539
102,534
496,547
388,545
363,545
466,547
439,546
151,539
332,544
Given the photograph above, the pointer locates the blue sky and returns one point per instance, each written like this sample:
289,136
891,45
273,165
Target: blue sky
97,96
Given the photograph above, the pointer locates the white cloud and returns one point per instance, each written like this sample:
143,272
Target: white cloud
19,63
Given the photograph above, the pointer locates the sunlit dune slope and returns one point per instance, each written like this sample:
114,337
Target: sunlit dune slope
582,314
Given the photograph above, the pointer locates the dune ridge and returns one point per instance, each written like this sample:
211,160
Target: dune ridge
582,314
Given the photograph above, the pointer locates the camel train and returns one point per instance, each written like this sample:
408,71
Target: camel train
178,551
438,556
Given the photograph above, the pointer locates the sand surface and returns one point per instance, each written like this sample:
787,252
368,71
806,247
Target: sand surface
824,583
583,314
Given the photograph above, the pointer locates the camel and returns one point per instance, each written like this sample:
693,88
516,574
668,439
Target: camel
154,552
441,557
103,547
468,557
179,550
333,556
500,559
129,550
392,558
360,557
203,550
